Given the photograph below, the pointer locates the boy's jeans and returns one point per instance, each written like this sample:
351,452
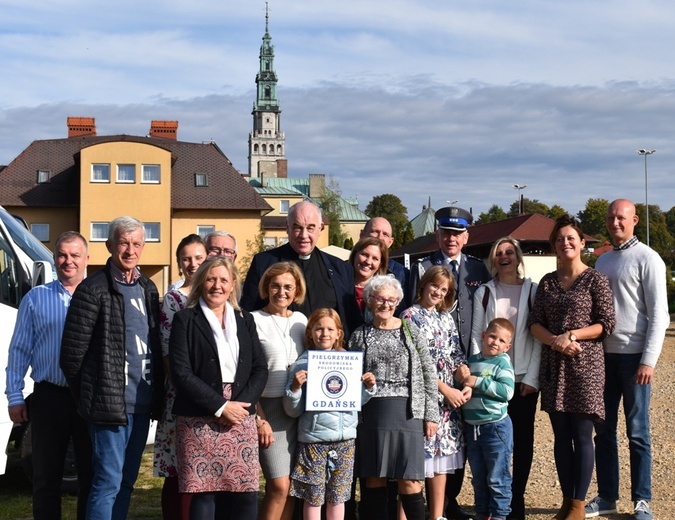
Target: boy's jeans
489,448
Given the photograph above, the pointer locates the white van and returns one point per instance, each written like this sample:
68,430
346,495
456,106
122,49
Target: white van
24,263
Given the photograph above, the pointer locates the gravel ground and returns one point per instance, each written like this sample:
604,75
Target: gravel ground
543,495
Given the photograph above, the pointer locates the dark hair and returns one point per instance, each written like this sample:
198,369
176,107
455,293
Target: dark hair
190,239
437,275
561,222
367,242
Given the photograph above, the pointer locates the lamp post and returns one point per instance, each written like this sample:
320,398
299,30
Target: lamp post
520,188
451,202
644,152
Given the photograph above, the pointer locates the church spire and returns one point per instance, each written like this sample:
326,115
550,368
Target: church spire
266,142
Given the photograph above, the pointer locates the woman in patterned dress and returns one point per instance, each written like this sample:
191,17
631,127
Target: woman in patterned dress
431,315
394,423
219,371
573,311
282,336
190,254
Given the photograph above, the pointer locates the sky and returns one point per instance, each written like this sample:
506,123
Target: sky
448,101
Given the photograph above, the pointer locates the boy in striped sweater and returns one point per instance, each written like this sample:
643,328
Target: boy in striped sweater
488,429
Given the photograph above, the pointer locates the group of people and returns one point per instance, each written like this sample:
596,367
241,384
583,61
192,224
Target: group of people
455,355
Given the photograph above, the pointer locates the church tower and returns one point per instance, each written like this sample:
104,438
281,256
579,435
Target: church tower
266,143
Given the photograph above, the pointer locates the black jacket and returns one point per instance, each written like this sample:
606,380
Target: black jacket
341,276
93,348
195,367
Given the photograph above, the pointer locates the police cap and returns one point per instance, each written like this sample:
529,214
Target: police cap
454,218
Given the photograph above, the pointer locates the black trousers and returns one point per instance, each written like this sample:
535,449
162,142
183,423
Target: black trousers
522,410
54,419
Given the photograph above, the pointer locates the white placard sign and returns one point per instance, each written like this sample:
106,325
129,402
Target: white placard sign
334,380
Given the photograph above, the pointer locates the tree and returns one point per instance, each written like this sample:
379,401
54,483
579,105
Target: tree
556,211
593,218
390,207
660,240
494,214
253,247
330,206
670,220
529,207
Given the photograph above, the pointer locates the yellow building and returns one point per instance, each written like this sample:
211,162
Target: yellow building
175,188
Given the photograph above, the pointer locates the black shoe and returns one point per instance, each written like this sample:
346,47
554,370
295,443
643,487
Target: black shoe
454,512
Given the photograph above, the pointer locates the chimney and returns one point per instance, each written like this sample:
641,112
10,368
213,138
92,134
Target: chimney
79,126
164,129
282,168
317,185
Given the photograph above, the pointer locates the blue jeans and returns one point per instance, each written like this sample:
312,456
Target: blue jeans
619,382
488,448
117,452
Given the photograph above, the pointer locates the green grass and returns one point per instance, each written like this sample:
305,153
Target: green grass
16,502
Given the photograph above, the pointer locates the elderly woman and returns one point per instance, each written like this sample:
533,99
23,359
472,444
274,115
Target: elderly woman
573,311
190,254
510,295
219,371
404,411
431,314
368,257
281,332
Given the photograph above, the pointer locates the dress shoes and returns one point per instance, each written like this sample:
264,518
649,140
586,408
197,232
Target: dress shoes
454,512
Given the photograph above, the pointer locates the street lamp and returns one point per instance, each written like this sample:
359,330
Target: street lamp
644,152
451,202
520,188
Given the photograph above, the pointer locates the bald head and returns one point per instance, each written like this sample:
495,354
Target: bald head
621,221
379,227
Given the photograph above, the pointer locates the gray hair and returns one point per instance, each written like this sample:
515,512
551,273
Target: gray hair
294,209
382,281
69,236
123,225
221,234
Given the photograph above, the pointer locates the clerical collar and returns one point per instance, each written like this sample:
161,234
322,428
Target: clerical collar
304,257
632,241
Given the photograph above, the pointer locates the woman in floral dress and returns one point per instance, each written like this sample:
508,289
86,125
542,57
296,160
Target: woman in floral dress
190,254
444,452
573,311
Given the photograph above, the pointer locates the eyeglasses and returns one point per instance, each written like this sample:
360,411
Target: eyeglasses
275,288
222,251
392,302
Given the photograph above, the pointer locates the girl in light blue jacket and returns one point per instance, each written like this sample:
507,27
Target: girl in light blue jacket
325,454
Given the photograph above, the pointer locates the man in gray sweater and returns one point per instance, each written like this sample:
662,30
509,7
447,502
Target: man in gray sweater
638,279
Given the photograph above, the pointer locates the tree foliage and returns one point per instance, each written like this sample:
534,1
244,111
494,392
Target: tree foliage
556,211
494,214
530,206
660,238
593,218
390,207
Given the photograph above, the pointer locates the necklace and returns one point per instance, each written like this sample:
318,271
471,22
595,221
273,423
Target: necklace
286,338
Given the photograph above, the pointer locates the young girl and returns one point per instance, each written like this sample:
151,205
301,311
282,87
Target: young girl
325,452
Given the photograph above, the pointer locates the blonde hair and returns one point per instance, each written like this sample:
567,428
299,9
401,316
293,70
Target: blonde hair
199,280
317,316
282,268
437,275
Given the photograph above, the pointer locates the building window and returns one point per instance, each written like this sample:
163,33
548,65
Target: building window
151,231
151,173
283,206
204,231
201,180
43,176
269,242
126,173
100,173
99,232
41,231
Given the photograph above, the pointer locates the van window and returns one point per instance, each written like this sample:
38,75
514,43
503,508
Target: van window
26,242
9,279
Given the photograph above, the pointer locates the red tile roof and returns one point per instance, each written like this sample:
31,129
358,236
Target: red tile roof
226,187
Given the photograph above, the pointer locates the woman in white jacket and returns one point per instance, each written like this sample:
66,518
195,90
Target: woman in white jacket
510,295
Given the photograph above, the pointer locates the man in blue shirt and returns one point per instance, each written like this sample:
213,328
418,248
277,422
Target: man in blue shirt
36,343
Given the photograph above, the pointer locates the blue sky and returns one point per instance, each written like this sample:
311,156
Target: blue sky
449,100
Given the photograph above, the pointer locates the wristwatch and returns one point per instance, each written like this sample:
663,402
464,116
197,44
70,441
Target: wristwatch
573,337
